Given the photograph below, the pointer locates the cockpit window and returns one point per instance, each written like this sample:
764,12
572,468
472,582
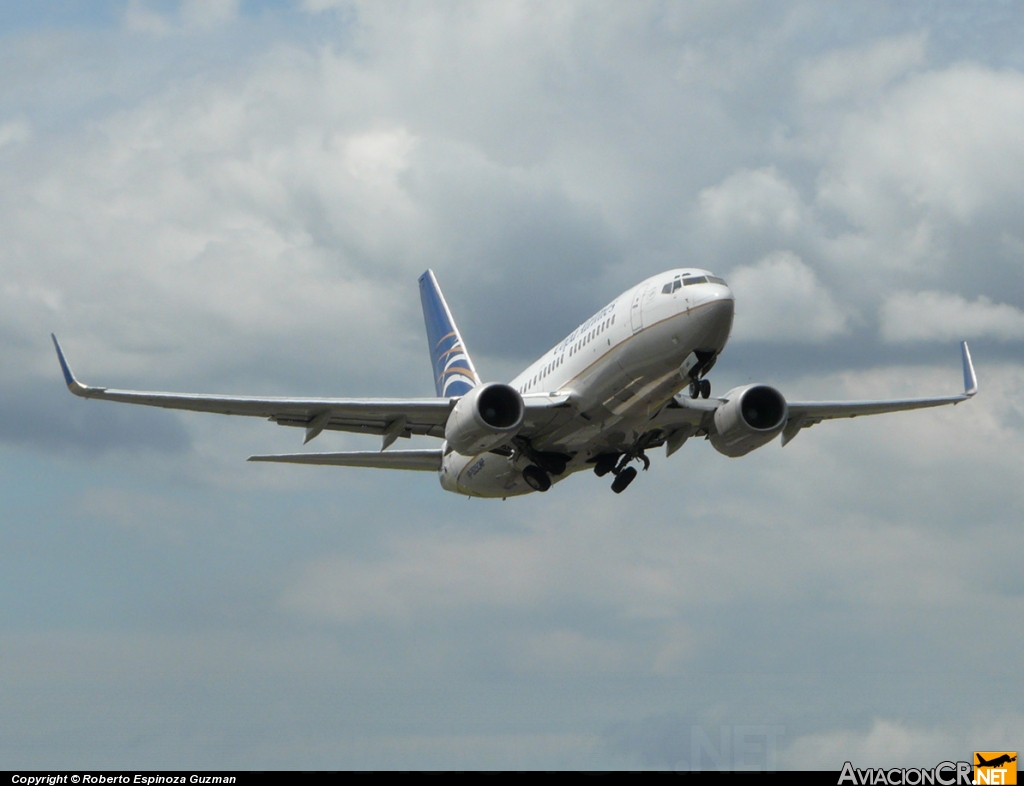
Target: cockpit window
688,280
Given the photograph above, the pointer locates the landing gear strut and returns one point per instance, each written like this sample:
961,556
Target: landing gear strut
616,463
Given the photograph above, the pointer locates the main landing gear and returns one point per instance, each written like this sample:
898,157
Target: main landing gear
700,388
616,464
536,478
623,479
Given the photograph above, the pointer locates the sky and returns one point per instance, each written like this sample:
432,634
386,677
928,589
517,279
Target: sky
238,197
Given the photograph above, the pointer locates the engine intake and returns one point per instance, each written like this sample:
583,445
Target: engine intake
752,416
485,418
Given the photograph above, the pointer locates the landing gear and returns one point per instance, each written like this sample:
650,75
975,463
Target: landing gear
617,464
623,479
536,478
700,388
605,464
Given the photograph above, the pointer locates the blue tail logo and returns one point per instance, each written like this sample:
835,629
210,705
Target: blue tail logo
454,374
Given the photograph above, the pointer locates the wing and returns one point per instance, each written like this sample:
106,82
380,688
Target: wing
683,417
803,414
391,418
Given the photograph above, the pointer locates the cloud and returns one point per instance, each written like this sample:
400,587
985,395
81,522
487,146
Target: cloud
45,416
780,299
241,202
943,316
943,143
13,132
860,72
892,743
752,200
140,16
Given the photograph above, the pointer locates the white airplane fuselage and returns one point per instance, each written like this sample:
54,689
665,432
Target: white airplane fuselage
620,367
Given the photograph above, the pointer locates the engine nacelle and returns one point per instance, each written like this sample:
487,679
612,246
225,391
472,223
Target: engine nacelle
753,416
486,417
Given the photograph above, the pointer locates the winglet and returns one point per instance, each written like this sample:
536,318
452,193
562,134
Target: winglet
970,378
73,384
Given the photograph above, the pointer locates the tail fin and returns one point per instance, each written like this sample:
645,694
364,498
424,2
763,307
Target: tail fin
454,374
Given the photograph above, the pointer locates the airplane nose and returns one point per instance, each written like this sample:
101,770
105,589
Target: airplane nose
720,309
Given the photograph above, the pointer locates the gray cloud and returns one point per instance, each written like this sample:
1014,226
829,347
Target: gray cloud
45,416
238,198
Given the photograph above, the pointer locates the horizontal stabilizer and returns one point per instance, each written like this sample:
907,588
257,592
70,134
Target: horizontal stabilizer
420,460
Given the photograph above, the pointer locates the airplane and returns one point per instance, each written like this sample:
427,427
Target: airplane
996,762
630,378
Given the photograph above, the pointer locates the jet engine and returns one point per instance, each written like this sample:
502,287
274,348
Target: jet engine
752,416
486,417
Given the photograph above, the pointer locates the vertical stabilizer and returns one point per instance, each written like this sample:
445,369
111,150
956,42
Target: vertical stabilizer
454,374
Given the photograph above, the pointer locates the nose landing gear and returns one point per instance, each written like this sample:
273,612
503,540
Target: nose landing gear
700,388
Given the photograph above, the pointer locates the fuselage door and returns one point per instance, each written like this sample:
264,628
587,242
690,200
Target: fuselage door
642,298
636,310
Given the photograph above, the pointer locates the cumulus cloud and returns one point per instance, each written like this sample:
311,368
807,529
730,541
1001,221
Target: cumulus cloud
780,299
947,142
943,316
752,199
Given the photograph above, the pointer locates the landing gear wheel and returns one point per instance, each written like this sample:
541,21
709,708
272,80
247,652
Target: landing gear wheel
623,479
695,388
536,478
705,388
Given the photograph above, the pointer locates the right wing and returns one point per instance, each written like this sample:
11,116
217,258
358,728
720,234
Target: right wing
391,418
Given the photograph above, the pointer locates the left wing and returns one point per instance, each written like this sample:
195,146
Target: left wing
683,417
803,414
391,418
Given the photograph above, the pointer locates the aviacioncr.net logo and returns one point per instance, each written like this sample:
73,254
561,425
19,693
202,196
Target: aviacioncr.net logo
946,773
